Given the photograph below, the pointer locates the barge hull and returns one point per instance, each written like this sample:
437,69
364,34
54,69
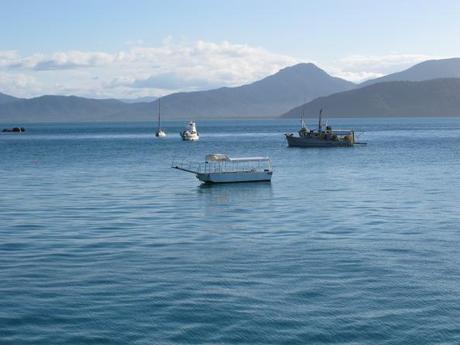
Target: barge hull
229,177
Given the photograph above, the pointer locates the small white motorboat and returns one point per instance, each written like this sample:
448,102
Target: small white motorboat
160,133
190,133
220,168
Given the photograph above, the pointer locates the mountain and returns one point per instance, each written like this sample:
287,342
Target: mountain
438,97
4,98
62,109
264,98
431,69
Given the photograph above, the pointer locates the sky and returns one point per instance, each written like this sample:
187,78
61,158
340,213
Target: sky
142,48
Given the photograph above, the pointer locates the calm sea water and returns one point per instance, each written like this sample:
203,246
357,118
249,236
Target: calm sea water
101,242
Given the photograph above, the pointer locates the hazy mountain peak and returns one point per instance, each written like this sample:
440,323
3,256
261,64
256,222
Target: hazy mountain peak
4,98
426,70
304,68
451,62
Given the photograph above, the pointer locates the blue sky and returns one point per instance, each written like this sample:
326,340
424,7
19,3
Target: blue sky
135,48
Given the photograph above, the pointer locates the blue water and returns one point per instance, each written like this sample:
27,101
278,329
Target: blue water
102,243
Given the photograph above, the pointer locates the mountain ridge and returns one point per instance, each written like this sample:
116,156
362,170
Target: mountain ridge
4,98
426,70
435,97
262,98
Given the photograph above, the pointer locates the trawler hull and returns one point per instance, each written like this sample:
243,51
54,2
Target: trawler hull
294,141
241,176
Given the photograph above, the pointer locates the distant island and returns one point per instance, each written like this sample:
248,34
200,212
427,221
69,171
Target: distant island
430,88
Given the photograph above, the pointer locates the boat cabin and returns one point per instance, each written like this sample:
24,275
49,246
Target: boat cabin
222,168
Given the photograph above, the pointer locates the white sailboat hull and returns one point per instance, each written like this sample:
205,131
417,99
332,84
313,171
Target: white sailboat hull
160,134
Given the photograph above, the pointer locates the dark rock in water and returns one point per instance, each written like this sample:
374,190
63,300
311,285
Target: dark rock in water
14,130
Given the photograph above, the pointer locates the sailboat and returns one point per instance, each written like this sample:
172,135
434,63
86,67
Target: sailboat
159,133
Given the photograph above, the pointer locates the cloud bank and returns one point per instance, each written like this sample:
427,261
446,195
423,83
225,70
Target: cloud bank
139,70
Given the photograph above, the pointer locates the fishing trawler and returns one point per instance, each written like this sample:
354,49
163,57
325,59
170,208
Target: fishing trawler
324,136
160,133
190,133
220,168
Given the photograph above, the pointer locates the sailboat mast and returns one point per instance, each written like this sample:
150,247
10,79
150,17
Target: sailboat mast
159,114
302,123
301,120
319,121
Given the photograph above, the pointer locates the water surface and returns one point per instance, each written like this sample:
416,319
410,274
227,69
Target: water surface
101,242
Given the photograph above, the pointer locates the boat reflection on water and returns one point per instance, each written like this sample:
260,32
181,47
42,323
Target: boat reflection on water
240,195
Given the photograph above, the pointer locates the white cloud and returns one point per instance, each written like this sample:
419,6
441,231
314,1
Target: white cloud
20,85
203,63
141,70
7,57
356,76
61,60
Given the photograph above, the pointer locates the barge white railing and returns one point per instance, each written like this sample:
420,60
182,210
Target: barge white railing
224,164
